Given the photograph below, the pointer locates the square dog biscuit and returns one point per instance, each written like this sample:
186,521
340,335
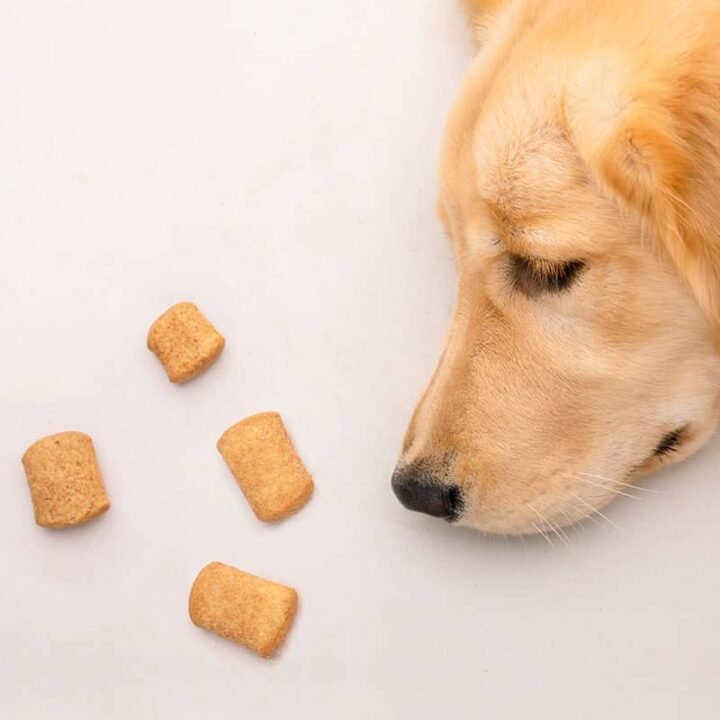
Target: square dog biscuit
246,609
184,341
262,458
64,479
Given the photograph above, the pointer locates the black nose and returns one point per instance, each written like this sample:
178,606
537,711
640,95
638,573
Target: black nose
419,490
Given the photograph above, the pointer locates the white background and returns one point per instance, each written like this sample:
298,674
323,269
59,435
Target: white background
275,163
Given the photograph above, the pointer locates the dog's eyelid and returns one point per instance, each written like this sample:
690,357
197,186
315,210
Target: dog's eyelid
533,275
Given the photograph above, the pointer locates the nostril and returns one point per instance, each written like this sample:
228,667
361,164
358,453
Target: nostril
420,492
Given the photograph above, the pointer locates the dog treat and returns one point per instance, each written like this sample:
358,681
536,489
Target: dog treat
241,607
262,458
64,480
184,341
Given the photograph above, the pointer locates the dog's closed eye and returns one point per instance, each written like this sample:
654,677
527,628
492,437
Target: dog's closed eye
670,442
532,276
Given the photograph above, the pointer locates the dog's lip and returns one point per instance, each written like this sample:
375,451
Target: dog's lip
457,502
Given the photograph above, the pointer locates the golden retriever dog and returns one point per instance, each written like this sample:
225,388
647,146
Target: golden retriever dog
580,188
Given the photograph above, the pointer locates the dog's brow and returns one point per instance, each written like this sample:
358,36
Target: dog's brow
508,232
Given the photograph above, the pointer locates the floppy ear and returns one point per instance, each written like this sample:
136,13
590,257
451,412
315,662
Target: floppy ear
657,152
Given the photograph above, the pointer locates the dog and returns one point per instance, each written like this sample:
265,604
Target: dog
580,189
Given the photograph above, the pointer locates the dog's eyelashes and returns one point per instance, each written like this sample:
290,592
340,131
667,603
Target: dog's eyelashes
533,276
670,442
560,277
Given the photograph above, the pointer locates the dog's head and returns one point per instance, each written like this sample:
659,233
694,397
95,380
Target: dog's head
581,199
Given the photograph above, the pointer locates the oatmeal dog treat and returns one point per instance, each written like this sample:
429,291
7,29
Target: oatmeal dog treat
263,460
243,608
64,480
184,341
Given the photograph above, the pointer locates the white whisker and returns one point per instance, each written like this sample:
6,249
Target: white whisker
591,518
593,475
570,522
639,488
542,532
550,525
596,512
560,533
609,488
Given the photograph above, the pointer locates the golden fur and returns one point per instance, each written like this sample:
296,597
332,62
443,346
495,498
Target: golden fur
586,130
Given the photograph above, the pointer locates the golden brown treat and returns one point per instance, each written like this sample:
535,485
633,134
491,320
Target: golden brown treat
241,607
184,341
64,480
262,458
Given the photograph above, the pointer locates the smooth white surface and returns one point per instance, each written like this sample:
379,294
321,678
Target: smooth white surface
275,162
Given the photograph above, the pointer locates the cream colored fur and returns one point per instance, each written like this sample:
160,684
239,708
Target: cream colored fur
586,130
